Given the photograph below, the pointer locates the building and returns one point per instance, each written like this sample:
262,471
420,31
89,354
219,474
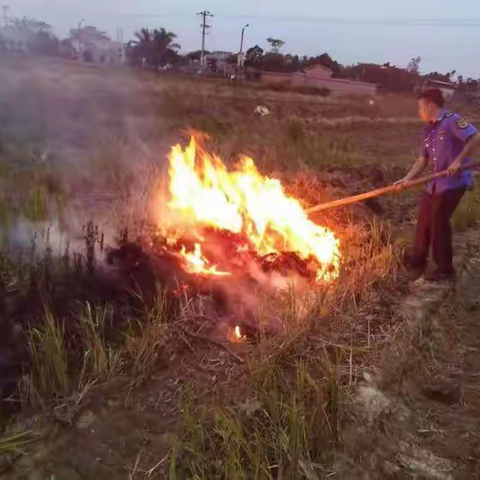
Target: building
92,45
447,88
220,61
319,76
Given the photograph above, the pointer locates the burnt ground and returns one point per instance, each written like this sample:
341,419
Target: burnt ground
415,415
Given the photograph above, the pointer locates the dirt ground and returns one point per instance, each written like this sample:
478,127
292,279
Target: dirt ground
413,408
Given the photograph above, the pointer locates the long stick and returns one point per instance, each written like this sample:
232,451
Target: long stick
383,191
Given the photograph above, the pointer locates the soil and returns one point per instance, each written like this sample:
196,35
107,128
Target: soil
416,415
422,406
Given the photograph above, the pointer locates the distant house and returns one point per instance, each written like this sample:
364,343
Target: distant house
447,88
318,71
221,61
219,56
92,45
319,76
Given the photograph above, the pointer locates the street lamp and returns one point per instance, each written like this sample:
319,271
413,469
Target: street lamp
79,40
240,56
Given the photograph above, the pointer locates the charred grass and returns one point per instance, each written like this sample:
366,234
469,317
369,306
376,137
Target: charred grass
81,334
74,331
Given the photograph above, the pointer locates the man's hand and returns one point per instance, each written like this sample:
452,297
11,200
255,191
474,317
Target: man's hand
454,168
401,185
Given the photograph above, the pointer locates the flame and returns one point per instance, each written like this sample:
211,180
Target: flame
238,333
195,262
204,193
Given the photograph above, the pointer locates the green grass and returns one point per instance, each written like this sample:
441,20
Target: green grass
285,420
283,427
49,377
15,444
468,212
102,362
31,189
283,415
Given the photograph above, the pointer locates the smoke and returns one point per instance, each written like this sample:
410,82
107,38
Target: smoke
77,143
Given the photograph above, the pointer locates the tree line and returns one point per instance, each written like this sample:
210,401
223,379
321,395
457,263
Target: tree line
158,48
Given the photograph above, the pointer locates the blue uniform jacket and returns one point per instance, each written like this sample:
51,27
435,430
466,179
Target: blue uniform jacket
443,141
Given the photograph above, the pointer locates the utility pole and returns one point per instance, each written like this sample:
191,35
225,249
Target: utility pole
6,8
240,55
205,14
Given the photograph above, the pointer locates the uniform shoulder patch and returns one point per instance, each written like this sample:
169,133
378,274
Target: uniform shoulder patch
462,123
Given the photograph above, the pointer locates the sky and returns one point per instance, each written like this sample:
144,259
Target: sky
444,33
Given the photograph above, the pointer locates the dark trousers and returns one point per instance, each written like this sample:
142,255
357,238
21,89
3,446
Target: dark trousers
433,228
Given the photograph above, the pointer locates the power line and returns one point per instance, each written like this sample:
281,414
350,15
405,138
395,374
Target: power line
205,14
413,22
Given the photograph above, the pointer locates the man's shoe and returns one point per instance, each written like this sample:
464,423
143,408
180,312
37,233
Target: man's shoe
439,276
414,273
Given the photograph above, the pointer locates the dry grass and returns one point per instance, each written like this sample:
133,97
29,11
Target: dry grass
283,418
48,379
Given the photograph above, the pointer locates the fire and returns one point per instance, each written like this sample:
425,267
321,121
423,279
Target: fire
195,262
204,193
238,336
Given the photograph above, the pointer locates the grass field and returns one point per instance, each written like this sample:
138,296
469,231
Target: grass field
102,377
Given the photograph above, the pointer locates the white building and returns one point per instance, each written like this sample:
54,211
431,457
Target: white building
94,46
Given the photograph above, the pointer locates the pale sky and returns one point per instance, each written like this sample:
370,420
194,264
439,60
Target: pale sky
445,33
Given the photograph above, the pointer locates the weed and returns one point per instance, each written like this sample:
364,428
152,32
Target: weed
48,379
101,362
146,339
14,444
281,430
468,212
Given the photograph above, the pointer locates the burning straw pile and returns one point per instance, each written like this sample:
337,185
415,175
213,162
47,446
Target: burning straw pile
236,232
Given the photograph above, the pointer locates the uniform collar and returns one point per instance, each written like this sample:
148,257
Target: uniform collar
442,115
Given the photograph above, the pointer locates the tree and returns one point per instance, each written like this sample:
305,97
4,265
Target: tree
276,44
154,48
393,79
254,57
196,55
414,65
468,87
275,62
30,35
441,77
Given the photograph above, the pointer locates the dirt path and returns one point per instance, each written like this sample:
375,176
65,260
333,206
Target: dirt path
451,414
419,414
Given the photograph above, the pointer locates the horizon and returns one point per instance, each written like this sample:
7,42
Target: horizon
370,33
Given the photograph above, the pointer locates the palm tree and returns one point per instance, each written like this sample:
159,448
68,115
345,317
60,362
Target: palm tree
156,48
276,44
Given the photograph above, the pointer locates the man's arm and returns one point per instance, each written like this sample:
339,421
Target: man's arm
418,167
472,145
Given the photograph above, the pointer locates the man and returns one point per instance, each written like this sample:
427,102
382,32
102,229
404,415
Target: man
447,144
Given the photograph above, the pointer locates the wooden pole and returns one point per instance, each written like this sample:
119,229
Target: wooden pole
383,191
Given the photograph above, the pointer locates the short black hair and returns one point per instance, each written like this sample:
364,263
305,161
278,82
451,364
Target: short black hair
434,95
